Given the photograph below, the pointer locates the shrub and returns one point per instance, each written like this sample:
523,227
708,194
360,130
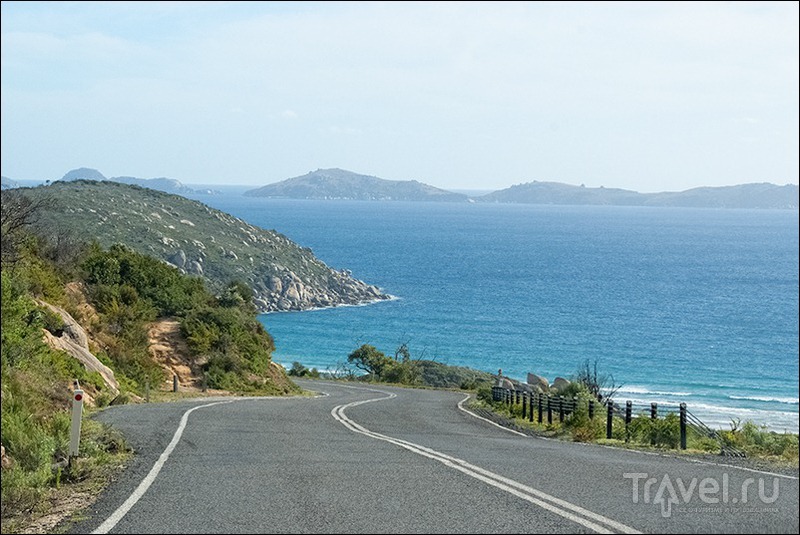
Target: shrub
485,394
298,370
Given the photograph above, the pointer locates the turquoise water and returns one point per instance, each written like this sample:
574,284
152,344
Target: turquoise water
679,305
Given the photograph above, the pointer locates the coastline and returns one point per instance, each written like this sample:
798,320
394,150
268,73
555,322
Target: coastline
389,297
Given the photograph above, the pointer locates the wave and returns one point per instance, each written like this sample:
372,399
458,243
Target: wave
643,390
720,417
790,401
736,410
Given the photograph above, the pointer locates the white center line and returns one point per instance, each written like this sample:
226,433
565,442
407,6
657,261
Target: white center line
570,511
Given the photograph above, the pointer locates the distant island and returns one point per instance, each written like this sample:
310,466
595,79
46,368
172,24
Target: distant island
167,185
7,183
338,184
760,195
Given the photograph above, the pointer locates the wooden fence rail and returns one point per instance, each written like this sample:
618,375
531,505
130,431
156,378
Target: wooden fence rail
540,407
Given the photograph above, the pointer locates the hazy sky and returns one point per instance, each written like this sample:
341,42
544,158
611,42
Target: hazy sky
642,96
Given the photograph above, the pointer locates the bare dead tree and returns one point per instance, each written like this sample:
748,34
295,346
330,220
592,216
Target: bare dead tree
600,385
18,213
402,352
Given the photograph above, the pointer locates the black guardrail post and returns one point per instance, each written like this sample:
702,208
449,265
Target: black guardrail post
653,417
541,403
591,409
530,412
549,409
524,405
560,408
683,425
609,418
628,410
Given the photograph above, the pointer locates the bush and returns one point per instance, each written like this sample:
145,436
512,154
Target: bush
758,440
298,370
406,373
485,394
582,428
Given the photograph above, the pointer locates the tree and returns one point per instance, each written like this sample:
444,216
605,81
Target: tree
17,213
601,386
367,358
298,370
403,351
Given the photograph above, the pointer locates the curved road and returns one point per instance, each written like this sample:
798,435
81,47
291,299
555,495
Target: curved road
360,459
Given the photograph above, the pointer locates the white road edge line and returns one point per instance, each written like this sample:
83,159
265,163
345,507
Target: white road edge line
555,505
744,468
123,509
461,406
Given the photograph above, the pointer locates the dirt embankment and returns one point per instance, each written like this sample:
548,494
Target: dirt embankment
170,351
166,345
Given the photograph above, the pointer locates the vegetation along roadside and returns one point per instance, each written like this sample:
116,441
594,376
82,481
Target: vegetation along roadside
74,310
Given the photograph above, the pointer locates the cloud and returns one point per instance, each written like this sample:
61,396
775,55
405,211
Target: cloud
479,82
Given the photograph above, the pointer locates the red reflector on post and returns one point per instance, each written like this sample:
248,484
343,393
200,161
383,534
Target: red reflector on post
78,397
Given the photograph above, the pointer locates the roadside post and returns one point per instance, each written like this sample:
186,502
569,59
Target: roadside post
683,425
77,413
628,411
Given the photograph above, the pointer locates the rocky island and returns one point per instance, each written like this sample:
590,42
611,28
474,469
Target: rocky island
745,196
338,184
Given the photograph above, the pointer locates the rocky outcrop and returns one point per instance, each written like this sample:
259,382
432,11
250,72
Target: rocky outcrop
74,341
288,291
178,259
559,385
5,461
506,383
538,384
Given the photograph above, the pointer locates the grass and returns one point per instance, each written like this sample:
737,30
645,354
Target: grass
35,500
779,450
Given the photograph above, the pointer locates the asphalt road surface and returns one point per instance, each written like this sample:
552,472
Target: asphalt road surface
361,459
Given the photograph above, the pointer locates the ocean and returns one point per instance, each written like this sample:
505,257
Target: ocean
674,304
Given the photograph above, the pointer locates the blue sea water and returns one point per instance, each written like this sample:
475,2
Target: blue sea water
679,305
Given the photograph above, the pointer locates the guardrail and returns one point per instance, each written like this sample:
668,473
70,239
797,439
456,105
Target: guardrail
543,408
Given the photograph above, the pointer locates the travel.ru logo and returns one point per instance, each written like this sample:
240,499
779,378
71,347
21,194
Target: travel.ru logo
709,490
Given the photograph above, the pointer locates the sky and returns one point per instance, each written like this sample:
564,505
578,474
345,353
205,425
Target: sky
646,96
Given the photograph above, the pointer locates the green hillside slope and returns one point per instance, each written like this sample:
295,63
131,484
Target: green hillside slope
200,241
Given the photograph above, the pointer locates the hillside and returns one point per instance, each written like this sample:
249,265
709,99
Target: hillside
168,185
7,183
120,325
763,196
200,240
345,185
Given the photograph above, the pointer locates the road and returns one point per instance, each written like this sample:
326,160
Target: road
362,459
